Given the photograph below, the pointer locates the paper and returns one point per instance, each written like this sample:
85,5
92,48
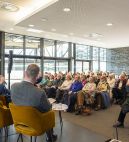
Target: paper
51,100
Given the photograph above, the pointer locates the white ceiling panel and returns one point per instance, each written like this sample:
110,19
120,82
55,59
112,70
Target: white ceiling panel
85,18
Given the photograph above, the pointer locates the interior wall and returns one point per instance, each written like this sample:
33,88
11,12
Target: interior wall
118,60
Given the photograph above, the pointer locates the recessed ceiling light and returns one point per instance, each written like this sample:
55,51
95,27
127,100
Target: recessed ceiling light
66,9
86,35
34,30
65,35
31,25
95,35
53,30
8,6
44,19
109,24
47,35
71,34
11,29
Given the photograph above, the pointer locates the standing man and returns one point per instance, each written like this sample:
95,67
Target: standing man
26,94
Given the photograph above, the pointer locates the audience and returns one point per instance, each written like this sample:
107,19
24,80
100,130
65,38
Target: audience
77,90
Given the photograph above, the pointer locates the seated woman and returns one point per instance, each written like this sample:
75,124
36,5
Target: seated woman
86,93
83,79
102,99
111,82
64,88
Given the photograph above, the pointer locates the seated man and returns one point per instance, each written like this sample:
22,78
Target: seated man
63,88
72,94
26,94
119,90
88,91
124,109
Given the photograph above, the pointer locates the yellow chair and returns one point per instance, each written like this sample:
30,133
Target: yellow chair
3,99
5,118
29,121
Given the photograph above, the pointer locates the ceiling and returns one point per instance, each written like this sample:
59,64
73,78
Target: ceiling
85,23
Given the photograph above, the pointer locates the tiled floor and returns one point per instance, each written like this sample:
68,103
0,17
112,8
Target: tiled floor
70,133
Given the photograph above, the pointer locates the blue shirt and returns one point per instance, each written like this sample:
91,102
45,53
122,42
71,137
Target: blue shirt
76,86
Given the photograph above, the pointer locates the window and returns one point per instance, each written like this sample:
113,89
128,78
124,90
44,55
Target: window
95,65
82,52
102,66
15,43
102,54
32,61
61,66
32,46
62,49
85,66
17,70
49,66
78,66
49,48
95,53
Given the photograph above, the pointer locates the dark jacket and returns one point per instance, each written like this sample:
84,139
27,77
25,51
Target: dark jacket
4,90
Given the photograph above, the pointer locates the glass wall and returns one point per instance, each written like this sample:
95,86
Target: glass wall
49,66
49,48
29,61
83,52
95,66
15,43
57,55
86,66
62,49
79,66
32,46
17,70
62,66
95,53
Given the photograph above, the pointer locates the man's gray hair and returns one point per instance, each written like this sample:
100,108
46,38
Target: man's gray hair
32,71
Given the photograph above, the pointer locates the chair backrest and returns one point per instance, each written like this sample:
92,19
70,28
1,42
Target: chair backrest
28,120
3,99
5,117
